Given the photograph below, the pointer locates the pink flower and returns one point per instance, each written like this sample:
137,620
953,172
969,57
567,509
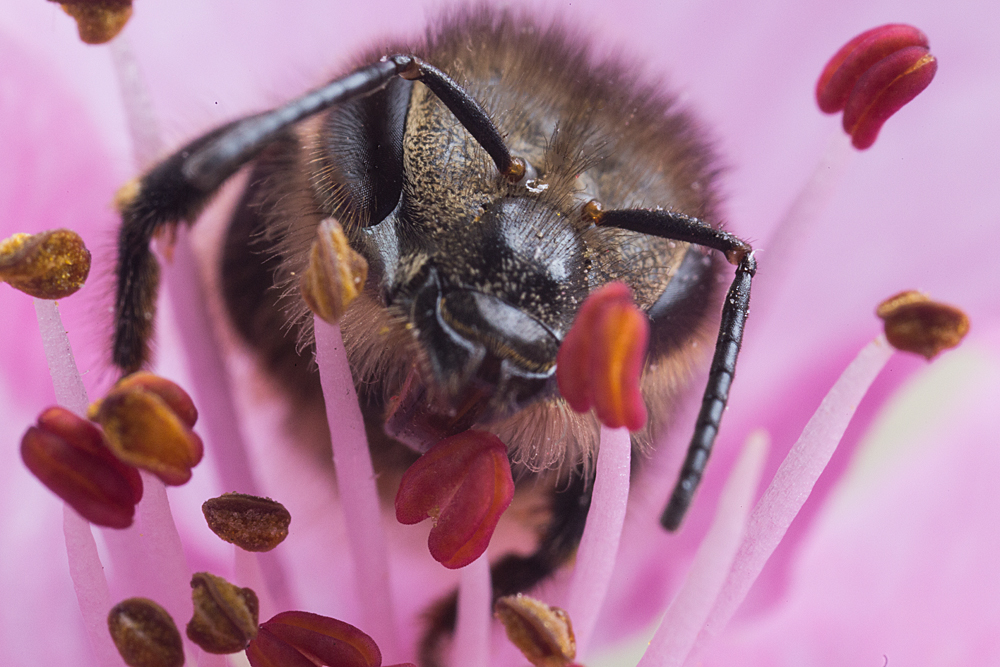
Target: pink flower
894,553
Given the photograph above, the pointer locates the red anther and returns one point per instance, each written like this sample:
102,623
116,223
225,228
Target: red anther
601,359
873,76
885,89
301,639
86,437
857,57
464,484
67,454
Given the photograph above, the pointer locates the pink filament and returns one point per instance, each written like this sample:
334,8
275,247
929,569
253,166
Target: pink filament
792,484
475,615
598,550
85,567
686,615
358,494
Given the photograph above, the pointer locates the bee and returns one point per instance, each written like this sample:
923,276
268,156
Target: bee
467,170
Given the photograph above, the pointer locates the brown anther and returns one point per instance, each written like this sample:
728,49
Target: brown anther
147,424
50,265
249,522
98,21
225,616
516,169
544,634
592,211
145,634
914,323
336,273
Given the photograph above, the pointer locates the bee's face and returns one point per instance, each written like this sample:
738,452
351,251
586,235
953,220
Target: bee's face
488,211
487,301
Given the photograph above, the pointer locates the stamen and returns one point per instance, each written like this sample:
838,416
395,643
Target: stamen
67,454
544,634
90,584
600,360
145,634
302,639
463,483
147,424
858,56
914,323
249,522
873,76
356,485
89,581
148,558
225,616
50,265
472,629
686,614
793,482
335,275
98,21
598,549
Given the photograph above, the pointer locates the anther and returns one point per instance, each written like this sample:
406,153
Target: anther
873,76
225,616
147,423
914,323
249,522
600,360
145,634
335,275
50,265
98,21
464,484
68,455
544,634
303,638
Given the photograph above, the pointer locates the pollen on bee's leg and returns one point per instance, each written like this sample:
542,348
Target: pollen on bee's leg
601,358
68,454
873,76
147,422
303,638
50,265
464,484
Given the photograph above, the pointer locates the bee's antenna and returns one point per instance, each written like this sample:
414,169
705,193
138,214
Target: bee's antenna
178,188
678,227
